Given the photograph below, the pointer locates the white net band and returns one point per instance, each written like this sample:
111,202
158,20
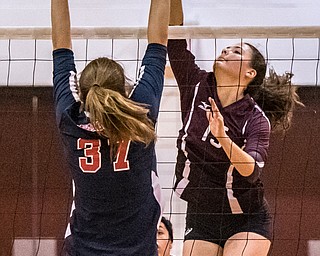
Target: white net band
188,32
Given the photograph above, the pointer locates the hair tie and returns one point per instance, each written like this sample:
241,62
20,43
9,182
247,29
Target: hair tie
95,84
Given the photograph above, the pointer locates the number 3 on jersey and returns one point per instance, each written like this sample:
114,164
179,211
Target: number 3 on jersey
91,161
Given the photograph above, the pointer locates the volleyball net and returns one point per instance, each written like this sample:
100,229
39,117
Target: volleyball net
26,61
286,48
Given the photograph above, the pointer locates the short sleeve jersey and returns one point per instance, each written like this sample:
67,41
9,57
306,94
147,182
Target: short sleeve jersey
116,209
204,172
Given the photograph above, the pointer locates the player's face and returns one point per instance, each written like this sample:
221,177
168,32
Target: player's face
233,60
163,241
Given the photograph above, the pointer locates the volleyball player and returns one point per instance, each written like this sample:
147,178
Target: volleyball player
165,237
227,117
109,141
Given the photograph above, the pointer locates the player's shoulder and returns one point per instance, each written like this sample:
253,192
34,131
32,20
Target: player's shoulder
75,121
259,113
258,119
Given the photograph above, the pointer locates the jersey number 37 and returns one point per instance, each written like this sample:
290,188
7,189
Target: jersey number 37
91,161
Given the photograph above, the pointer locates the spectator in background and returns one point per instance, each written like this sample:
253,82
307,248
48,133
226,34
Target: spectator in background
165,237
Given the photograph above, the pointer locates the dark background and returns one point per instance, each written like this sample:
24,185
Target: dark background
35,187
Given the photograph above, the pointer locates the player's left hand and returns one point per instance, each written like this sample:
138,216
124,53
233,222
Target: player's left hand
216,121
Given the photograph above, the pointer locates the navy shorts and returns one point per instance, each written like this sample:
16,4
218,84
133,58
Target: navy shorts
218,228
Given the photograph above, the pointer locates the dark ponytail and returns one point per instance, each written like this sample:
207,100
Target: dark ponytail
275,93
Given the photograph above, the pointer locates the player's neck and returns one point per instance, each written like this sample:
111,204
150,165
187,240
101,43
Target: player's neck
229,94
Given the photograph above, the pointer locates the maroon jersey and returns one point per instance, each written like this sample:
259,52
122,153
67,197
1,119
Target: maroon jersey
204,173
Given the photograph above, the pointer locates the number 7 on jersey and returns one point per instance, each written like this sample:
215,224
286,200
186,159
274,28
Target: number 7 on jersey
91,161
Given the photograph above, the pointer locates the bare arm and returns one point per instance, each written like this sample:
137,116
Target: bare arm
60,21
176,13
240,159
158,21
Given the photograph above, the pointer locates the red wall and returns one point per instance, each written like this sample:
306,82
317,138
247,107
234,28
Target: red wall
292,179
34,188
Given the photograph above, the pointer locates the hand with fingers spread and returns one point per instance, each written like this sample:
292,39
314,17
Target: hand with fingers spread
216,121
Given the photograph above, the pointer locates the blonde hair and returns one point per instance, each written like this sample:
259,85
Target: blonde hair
113,115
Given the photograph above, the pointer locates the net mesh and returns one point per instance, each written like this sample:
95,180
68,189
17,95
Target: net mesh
291,181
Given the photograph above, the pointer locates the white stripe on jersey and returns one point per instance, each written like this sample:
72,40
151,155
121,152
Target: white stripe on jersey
141,73
73,206
183,144
184,182
260,164
244,127
233,202
74,86
186,171
257,107
157,193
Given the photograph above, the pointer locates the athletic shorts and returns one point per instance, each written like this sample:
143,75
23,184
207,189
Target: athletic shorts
218,228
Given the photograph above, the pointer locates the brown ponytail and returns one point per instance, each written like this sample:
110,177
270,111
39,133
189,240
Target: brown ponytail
277,97
275,94
114,116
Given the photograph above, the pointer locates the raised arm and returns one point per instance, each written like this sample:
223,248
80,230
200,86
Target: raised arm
60,21
182,61
176,13
158,22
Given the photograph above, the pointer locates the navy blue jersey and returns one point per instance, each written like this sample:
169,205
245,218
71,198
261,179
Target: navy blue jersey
116,206
204,172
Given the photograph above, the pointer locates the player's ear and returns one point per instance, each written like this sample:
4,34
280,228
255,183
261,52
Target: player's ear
251,73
